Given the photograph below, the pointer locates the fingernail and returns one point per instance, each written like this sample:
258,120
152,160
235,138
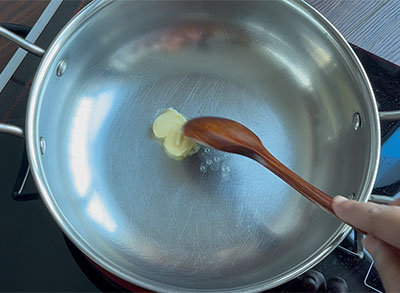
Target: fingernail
339,199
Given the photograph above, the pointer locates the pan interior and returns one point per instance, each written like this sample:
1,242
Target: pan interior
212,221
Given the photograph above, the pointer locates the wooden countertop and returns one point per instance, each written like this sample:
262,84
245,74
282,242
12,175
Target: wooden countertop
370,24
373,25
25,12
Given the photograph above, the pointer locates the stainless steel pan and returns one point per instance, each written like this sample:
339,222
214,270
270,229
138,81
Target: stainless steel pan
213,221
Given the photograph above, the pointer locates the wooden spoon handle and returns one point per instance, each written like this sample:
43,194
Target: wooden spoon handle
302,186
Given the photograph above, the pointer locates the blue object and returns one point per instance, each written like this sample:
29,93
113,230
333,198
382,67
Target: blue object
389,166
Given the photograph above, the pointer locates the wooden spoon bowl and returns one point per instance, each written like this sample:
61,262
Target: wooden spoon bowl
230,136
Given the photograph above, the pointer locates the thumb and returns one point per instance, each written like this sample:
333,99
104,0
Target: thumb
349,211
381,221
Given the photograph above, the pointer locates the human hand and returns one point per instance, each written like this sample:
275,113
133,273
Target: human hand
382,225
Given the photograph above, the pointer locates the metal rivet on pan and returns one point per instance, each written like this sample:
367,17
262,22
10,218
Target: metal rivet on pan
42,144
61,67
356,121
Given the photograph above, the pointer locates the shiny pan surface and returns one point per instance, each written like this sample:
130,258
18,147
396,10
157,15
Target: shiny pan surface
212,221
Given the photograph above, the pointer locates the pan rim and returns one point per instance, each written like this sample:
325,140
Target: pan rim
33,150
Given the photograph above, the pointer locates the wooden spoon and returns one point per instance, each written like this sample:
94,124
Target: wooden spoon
232,137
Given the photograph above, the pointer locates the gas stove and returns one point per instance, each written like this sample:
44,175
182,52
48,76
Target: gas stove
36,256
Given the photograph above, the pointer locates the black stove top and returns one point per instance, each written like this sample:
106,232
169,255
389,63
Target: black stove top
36,256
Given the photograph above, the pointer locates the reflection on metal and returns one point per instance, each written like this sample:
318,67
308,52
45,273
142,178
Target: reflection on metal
42,145
358,249
382,199
98,212
24,181
366,279
11,129
390,115
61,67
287,57
147,194
21,42
78,146
101,107
319,54
356,121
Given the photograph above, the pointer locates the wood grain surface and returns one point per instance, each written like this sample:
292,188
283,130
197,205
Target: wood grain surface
373,25
24,12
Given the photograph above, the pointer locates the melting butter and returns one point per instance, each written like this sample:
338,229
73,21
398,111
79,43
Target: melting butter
168,128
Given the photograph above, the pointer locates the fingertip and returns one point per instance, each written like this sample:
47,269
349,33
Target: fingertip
338,199
337,204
